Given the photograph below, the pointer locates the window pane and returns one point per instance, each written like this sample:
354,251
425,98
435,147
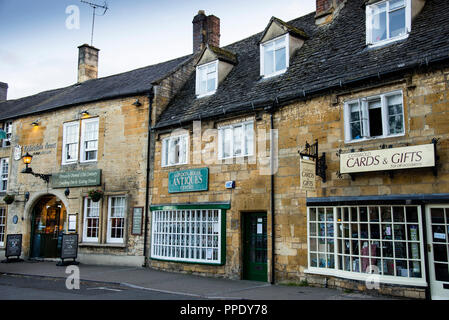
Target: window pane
238,131
395,114
397,23
375,118
227,142
281,63
249,134
379,22
268,61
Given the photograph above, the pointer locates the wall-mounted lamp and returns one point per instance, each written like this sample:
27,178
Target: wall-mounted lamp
137,103
67,192
35,123
27,196
84,113
27,158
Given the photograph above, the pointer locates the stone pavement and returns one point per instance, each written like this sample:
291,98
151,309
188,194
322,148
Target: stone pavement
183,284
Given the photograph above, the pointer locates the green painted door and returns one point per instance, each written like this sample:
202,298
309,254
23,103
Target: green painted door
255,246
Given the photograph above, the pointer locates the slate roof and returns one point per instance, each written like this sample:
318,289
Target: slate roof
335,55
130,83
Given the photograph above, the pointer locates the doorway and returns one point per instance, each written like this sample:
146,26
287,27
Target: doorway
438,251
255,246
47,225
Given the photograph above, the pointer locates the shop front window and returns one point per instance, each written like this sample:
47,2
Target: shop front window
187,235
381,240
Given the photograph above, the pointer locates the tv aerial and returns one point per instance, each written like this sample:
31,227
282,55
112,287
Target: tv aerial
95,6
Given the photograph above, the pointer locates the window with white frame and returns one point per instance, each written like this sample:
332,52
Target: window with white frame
89,140
274,56
116,219
91,220
7,128
2,226
374,117
388,21
355,241
187,235
236,140
4,163
70,142
207,78
175,150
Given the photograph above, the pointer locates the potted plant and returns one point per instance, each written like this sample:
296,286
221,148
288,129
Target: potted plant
95,195
9,198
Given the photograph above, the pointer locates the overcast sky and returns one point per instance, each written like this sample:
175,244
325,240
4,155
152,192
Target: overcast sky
38,52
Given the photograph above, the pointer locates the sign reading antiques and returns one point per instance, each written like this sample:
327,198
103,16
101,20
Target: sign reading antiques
76,179
422,156
188,180
307,173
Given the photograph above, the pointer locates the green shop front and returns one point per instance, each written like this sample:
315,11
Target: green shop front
195,233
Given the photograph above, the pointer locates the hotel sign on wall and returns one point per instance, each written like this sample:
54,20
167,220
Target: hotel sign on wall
188,180
76,179
422,156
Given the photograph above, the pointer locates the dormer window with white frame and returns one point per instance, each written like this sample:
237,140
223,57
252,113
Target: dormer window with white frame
206,79
274,56
388,21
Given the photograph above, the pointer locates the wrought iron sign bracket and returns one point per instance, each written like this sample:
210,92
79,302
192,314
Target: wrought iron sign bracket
45,177
311,151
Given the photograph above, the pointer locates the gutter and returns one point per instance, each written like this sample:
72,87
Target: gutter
147,184
272,193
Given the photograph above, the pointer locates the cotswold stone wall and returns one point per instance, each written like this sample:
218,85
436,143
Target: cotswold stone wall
426,110
122,154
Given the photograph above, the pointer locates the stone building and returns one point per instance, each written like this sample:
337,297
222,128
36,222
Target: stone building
90,136
354,96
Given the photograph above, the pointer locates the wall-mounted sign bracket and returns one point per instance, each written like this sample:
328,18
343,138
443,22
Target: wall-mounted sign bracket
45,177
311,152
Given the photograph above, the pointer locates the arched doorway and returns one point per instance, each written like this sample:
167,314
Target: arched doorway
48,220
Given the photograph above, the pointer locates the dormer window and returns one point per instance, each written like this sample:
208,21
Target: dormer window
274,56
206,79
388,21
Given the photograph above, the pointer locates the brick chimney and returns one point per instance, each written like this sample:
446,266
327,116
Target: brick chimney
3,91
87,63
206,30
327,10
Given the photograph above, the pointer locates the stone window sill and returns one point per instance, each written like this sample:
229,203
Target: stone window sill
102,245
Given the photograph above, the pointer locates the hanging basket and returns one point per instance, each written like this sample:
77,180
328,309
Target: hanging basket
9,198
95,195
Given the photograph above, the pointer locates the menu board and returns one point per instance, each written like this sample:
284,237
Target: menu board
13,245
137,220
69,249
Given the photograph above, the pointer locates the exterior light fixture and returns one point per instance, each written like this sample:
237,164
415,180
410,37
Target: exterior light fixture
137,103
27,158
84,113
35,124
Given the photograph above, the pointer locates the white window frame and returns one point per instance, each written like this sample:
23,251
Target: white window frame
7,127
3,225
355,275
173,239
364,117
221,140
264,45
214,75
84,150
369,21
4,176
109,239
87,206
64,142
166,156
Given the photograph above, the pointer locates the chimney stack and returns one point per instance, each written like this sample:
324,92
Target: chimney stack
87,63
206,30
327,10
3,91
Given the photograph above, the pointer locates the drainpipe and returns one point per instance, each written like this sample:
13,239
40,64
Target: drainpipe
272,199
147,184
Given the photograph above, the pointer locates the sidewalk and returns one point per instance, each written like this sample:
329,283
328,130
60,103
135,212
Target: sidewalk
184,284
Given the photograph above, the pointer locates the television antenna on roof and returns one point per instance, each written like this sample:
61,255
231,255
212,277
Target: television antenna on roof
95,6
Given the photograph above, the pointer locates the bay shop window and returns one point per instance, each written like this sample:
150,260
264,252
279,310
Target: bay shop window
357,241
189,235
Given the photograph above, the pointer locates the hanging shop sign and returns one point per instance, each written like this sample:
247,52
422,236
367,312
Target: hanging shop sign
422,156
188,180
307,175
76,179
